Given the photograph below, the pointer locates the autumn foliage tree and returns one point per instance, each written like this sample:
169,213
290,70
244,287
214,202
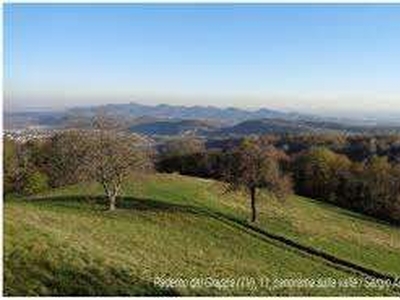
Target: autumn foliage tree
183,146
318,172
253,165
381,189
184,155
67,157
24,171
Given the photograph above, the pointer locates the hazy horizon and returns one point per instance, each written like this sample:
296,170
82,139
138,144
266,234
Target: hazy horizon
321,59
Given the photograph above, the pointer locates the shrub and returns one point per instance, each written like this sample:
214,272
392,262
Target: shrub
34,183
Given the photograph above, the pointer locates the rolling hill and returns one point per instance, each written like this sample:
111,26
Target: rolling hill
301,126
172,227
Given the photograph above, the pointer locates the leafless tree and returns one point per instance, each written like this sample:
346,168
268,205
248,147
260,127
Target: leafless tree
113,155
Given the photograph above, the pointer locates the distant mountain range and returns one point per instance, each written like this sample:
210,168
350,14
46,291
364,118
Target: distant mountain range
228,115
209,121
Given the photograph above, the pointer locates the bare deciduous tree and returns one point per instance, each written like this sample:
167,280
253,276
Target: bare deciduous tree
113,155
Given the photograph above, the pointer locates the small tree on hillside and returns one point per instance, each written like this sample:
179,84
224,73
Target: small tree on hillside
112,156
35,182
253,165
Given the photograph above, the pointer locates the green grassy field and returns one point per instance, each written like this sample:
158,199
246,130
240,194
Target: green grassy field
65,243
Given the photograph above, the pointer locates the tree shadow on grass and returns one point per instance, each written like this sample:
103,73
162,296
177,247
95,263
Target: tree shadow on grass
126,203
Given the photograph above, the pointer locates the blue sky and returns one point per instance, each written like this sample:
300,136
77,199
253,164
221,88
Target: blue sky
322,58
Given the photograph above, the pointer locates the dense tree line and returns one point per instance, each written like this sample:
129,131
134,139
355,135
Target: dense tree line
371,187
356,147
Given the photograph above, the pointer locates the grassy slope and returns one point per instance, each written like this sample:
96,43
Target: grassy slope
340,232
73,247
